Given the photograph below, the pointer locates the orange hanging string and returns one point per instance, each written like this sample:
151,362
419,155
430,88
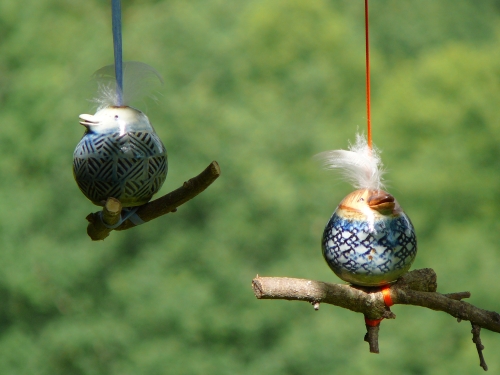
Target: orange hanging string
368,108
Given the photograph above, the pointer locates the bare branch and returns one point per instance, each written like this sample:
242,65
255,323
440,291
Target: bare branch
439,302
416,288
346,296
371,338
458,296
368,301
99,230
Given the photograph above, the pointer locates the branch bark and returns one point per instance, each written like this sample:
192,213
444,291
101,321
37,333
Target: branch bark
371,338
98,229
368,301
416,288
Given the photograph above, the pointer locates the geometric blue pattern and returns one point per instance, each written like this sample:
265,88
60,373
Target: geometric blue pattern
130,167
369,254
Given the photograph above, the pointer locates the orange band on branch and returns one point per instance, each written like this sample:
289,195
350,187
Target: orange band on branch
373,322
368,106
386,292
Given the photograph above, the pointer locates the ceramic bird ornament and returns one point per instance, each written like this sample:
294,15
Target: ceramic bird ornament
120,154
369,240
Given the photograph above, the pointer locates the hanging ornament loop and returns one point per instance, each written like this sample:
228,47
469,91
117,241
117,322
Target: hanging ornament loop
116,19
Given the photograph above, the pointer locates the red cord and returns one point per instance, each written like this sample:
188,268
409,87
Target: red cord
386,293
368,106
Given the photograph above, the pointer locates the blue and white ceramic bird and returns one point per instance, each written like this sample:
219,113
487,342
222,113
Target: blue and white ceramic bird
120,154
369,240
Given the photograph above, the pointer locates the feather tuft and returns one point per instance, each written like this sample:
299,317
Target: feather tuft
360,166
139,80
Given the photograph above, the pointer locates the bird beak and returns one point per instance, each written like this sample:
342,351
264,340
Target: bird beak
382,202
88,120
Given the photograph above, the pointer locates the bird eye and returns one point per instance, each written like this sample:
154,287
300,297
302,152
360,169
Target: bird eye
361,199
116,116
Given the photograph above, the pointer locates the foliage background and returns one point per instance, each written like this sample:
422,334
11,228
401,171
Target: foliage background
260,86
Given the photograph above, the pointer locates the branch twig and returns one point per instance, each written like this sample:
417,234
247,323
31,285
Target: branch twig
97,230
476,339
371,338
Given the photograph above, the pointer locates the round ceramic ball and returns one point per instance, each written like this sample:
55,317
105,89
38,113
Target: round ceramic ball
119,156
369,240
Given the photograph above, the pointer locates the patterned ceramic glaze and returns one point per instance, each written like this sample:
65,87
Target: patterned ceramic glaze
369,240
119,156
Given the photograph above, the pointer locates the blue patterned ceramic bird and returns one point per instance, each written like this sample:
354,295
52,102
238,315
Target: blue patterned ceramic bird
120,155
369,240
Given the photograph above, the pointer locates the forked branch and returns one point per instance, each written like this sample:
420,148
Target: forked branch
416,288
101,223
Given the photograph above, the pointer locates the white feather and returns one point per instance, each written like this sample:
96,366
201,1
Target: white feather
139,80
360,166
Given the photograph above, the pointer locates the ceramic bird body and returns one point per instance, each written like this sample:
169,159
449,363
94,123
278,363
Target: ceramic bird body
119,156
369,240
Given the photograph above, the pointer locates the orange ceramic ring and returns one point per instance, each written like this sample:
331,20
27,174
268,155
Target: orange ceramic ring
373,323
386,292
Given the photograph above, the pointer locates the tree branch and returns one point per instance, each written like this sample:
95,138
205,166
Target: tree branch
416,288
99,229
368,301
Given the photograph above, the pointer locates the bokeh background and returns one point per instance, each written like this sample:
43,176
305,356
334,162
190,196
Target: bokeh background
260,86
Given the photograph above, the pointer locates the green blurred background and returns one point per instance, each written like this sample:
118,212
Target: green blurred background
260,86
